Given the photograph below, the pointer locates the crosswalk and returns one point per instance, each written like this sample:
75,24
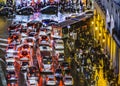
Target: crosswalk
3,44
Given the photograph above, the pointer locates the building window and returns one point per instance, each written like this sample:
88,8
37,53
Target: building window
116,11
112,5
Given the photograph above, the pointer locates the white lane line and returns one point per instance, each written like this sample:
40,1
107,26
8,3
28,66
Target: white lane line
3,44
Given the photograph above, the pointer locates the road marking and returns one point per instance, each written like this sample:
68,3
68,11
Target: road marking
3,44
1,39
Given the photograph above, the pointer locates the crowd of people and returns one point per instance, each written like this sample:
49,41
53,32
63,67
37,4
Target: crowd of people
89,57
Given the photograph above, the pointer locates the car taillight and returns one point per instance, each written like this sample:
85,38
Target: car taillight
8,76
33,70
9,40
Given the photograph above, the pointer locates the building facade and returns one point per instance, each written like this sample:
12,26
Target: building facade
107,30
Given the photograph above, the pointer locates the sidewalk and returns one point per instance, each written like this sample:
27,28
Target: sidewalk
99,78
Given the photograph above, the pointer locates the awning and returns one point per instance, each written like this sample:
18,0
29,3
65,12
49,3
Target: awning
73,20
112,26
107,19
116,39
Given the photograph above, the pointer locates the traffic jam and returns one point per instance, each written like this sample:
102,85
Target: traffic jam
36,50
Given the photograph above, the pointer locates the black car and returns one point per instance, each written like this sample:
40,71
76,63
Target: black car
51,9
6,11
49,22
35,23
13,28
25,10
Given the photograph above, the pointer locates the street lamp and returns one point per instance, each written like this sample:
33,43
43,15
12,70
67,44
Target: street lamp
96,28
100,34
103,39
92,22
68,27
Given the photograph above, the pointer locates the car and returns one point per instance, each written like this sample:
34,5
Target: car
35,23
44,37
32,34
14,28
23,32
32,82
48,30
50,9
48,21
45,50
50,80
47,65
64,65
61,57
10,66
24,65
12,83
44,42
11,53
10,59
58,74
59,41
33,73
6,11
42,33
26,46
11,47
24,53
14,38
12,76
59,49
28,10
68,80
29,40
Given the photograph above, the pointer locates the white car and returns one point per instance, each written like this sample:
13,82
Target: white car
50,80
10,66
42,33
11,76
59,49
45,48
61,58
59,41
33,82
68,80
11,53
25,65
47,65
29,40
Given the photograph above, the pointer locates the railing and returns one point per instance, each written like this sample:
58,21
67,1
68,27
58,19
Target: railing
101,5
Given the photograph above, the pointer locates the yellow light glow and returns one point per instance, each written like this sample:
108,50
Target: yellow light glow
100,34
92,22
96,28
103,40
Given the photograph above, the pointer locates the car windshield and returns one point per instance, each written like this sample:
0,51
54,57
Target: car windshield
24,63
25,46
51,79
10,63
68,79
46,62
29,40
65,64
58,71
10,47
24,53
61,56
24,30
11,72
